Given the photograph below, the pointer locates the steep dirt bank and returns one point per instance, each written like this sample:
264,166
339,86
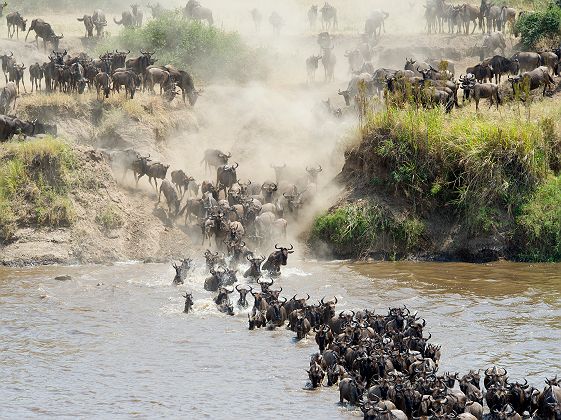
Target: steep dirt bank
110,221
464,187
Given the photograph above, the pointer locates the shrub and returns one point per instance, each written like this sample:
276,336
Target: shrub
206,51
538,25
540,223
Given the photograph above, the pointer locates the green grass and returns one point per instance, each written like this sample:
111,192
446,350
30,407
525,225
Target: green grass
109,218
540,223
495,172
207,52
35,179
540,26
357,228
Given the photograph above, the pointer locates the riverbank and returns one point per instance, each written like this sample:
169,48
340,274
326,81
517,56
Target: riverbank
461,187
60,199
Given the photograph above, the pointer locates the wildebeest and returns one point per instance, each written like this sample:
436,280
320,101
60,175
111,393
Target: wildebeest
184,81
527,61
181,271
127,19
481,72
44,31
127,79
550,60
137,15
362,83
226,177
254,270
88,24
502,65
375,23
312,64
491,43
36,76
313,16
181,181
156,75
328,60
195,11
99,21
8,96
470,14
170,194
7,62
481,91
15,23
276,22
532,80
257,18
328,17
157,10
10,126
277,258
155,171
215,158
188,302
102,83
15,74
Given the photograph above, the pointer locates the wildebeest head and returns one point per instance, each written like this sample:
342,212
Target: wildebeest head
283,253
346,95
193,95
316,375
265,285
6,59
188,302
313,173
242,301
268,189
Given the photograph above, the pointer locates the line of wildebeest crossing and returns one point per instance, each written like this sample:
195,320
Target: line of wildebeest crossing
382,363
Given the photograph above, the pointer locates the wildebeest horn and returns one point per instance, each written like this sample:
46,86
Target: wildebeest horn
277,246
291,247
308,298
320,169
237,287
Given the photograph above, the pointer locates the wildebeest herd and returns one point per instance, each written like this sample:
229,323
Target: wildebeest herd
76,73
228,211
383,364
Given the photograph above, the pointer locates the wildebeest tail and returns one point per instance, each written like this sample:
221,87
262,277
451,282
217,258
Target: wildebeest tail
499,99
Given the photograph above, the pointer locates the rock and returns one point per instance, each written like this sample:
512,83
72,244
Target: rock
63,278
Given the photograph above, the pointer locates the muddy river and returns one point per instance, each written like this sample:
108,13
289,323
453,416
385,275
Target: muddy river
113,342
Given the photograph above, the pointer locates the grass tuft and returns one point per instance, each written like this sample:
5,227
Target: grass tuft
35,179
109,218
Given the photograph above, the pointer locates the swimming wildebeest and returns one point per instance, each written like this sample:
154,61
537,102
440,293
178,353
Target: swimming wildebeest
188,302
44,31
277,258
15,23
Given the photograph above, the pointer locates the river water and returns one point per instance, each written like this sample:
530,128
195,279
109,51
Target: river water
113,342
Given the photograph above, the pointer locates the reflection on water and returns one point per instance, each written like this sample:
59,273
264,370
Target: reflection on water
113,342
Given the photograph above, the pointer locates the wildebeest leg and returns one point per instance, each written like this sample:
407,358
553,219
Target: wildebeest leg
23,83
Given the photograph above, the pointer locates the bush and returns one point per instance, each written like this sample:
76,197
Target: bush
35,178
538,25
208,52
540,224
